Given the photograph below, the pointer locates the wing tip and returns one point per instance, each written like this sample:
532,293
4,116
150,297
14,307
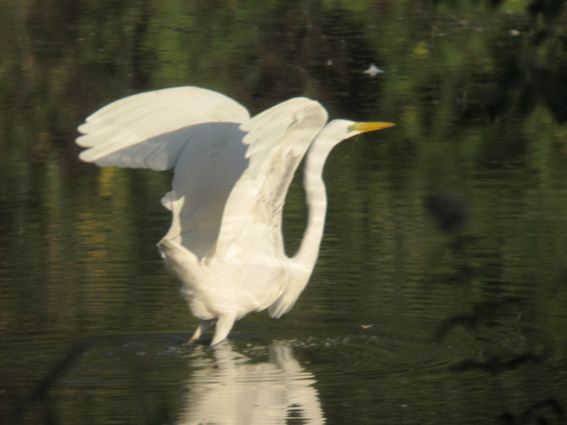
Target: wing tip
86,155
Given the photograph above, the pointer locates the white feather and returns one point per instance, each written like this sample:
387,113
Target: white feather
231,176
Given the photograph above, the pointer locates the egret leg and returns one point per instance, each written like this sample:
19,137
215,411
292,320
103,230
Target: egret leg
202,327
224,325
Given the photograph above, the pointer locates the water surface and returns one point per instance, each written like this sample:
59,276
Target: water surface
440,292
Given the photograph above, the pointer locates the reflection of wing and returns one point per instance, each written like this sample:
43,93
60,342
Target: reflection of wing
277,140
188,128
231,390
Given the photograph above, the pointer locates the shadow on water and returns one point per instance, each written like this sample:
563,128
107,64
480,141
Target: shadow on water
266,385
450,215
548,411
38,405
40,394
455,315
246,381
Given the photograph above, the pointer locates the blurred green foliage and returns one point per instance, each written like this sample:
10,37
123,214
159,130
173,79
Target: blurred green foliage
477,92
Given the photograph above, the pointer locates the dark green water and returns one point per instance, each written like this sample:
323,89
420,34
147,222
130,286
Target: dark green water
440,294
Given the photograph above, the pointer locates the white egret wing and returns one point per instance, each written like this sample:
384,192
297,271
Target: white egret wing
277,140
205,174
149,130
192,129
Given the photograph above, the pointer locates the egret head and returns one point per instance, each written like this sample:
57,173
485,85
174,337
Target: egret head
338,130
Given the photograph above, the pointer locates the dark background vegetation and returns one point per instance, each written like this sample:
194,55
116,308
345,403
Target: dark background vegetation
447,232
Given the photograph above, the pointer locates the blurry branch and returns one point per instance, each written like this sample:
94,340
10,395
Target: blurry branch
57,371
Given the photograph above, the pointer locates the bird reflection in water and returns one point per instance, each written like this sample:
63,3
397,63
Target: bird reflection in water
232,389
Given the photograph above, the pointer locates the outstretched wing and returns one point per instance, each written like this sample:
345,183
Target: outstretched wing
192,129
277,140
205,174
149,130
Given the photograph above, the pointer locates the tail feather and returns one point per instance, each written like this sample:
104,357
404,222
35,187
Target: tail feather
285,302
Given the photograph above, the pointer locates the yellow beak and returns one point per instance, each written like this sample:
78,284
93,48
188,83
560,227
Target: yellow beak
365,127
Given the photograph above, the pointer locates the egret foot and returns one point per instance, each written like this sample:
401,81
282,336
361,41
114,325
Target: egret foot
224,325
202,327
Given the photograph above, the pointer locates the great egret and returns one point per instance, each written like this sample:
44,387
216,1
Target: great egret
231,176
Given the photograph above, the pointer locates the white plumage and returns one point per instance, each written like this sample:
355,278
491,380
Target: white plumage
231,176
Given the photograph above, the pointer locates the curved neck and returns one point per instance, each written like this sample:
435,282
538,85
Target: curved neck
316,204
